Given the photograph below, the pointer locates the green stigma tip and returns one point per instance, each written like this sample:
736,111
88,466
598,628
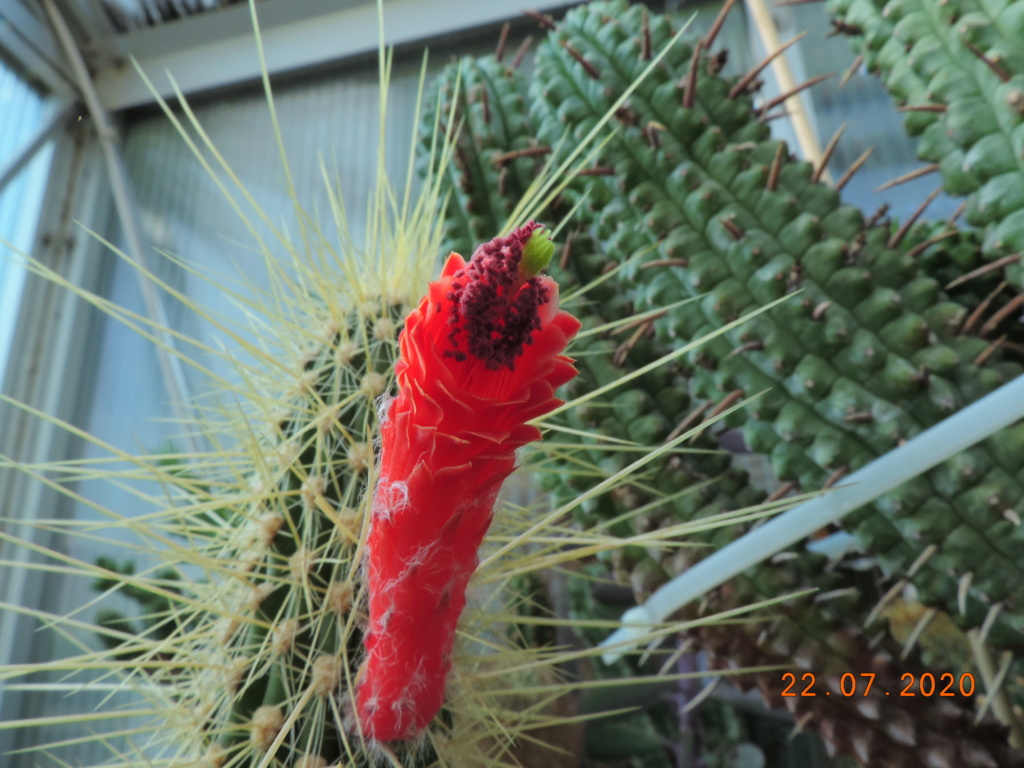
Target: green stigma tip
537,253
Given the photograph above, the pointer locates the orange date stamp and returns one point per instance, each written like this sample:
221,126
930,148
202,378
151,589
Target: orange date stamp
926,684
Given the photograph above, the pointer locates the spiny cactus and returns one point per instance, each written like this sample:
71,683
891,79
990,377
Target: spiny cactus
957,67
301,545
250,652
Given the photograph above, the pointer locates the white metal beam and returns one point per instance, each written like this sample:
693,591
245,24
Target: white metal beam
30,42
120,184
216,49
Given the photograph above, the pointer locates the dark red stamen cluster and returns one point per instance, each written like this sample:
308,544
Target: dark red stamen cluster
496,307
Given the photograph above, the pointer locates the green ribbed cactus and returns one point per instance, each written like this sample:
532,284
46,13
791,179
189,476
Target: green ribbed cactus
494,153
958,68
870,352
703,204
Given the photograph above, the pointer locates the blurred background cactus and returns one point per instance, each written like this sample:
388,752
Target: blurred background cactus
897,324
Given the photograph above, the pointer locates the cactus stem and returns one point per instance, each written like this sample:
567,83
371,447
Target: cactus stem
589,68
690,90
750,346
645,38
810,82
922,108
826,155
773,173
851,70
1005,311
986,353
975,316
1013,258
693,417
716,26
499,52
909,176
920,248
859,417
729,222
919,628
521,52
781,491
546,22
992,64
508,157
845,178
836,476
744,82
900,233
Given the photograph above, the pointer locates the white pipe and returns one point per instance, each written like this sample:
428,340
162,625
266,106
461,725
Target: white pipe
933,446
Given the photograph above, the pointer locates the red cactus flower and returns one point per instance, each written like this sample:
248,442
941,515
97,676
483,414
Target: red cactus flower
480,357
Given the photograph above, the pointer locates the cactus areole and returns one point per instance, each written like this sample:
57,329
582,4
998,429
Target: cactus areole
479,357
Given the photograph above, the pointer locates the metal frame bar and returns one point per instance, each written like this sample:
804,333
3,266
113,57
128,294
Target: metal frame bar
31,43
124,203
215,50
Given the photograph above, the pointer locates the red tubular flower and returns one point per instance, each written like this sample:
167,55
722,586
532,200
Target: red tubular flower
480,357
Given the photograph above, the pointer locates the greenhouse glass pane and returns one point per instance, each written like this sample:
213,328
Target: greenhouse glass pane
22,113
